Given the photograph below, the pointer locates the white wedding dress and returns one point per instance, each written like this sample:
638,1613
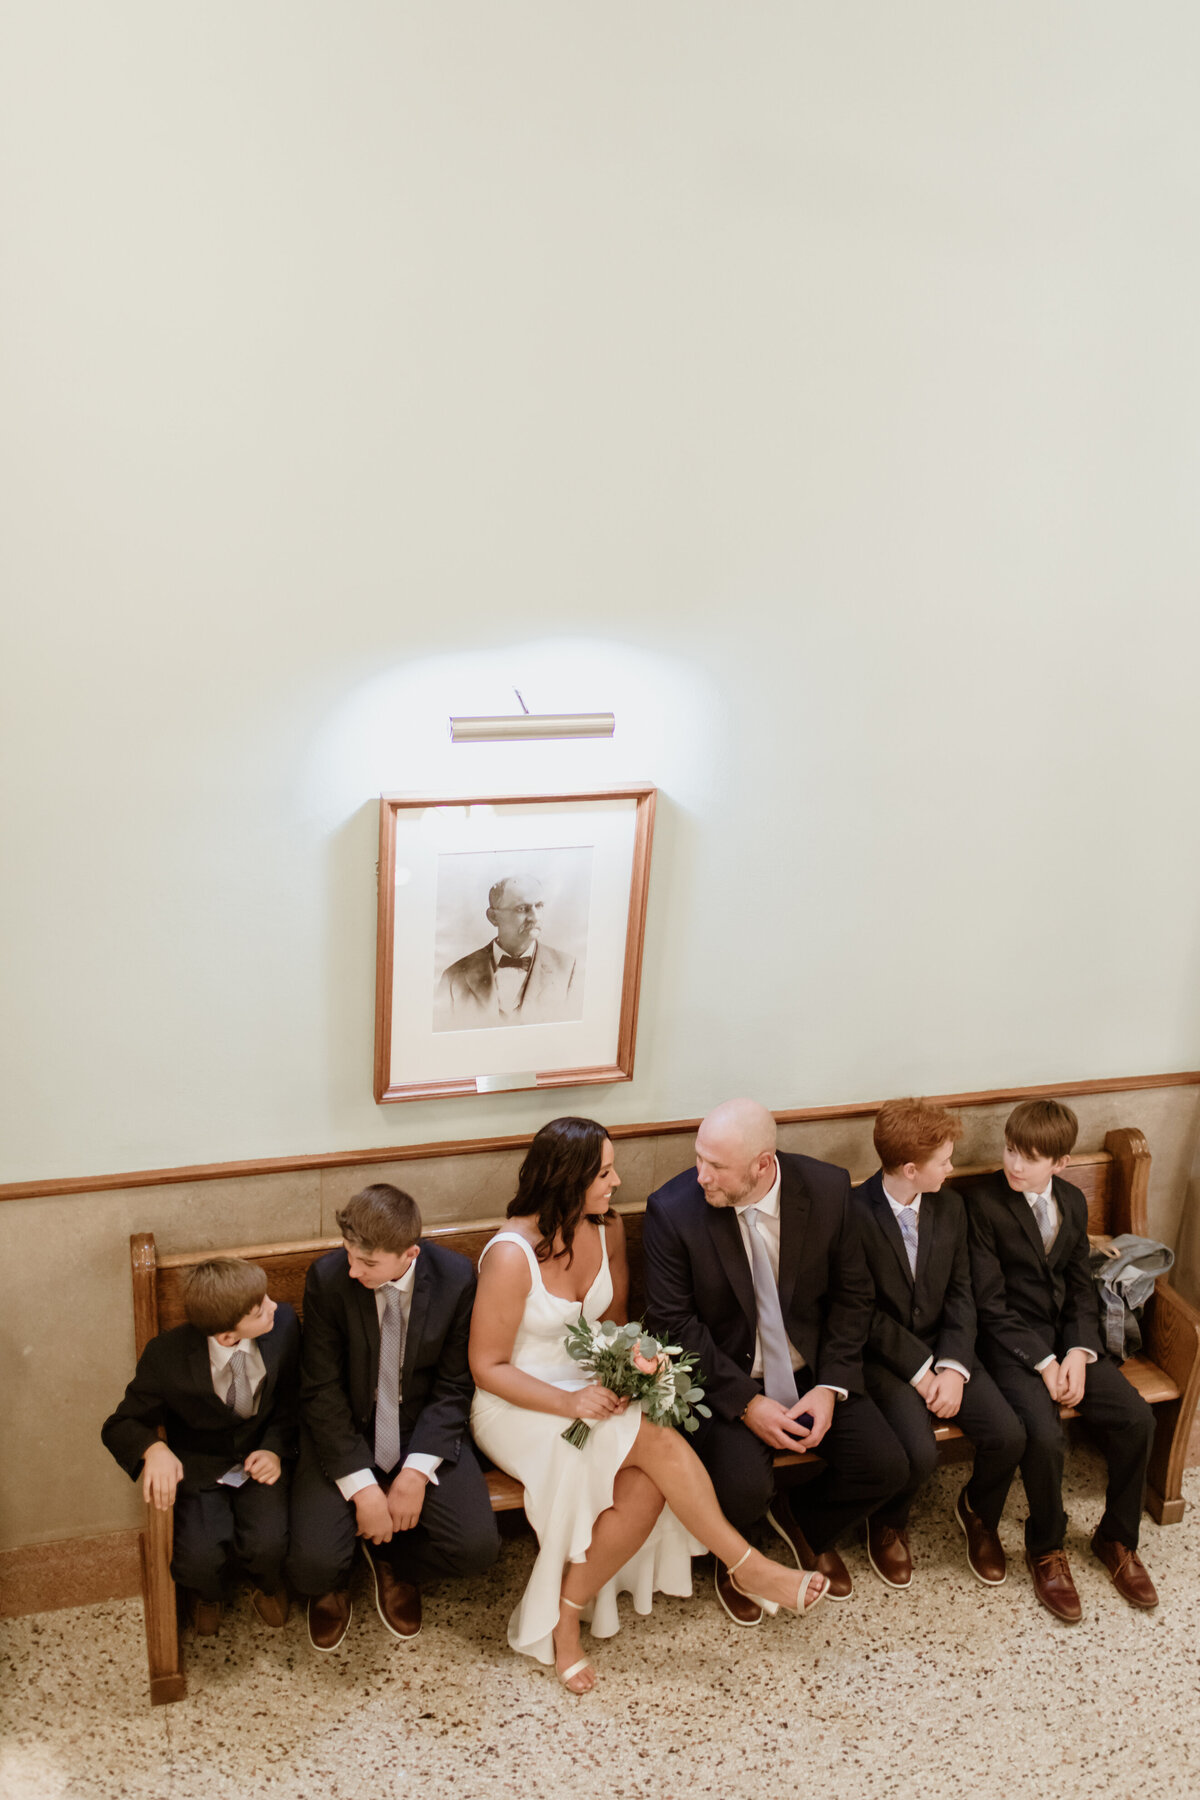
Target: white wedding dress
567,1489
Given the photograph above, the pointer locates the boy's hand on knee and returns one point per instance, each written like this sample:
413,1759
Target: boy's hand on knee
406,1496
264,1466
162,1473
1052,1376
947,1394
1072,1378
926,1386
374,1517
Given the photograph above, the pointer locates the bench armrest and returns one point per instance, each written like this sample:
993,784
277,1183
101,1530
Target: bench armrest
1171,1333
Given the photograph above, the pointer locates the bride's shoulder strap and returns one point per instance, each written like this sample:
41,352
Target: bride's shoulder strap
514,1237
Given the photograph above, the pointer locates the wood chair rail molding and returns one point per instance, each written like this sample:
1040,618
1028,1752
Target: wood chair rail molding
389,1153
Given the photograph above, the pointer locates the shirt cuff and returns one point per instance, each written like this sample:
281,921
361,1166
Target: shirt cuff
948,1362
921,1373
1083,1351
425,1465
349,1485
842,1393
1045,1362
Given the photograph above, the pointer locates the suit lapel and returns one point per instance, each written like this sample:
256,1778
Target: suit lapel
365,1314
1025,1219
794,1204
199,1369
928,1222
1059,1248
481,977
423,1278
726,1235
891,1231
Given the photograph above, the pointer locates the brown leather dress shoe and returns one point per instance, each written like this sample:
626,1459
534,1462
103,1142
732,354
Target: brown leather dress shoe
272,1609
742,1608
397,1602
985,1552
889,1554
1053,1585
1128,1571
329,1619
781,1519
205,1615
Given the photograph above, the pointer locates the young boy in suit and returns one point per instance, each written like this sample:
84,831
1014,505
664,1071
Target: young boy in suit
1040,1337
385,1394
225,1387
919,1364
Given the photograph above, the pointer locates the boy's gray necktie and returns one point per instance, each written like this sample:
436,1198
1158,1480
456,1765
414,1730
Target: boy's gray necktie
387,1393
906,1219
1043,1212
779,1382
239,1397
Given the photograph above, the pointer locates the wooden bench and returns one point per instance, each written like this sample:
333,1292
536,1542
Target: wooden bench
1114,1180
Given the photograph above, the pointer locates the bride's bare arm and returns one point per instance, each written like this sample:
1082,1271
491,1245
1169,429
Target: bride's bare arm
504,1283
618,1268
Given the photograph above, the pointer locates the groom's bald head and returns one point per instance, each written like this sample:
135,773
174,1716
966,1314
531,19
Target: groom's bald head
735,1152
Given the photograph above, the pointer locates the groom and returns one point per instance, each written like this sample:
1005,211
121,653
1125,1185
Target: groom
753,1263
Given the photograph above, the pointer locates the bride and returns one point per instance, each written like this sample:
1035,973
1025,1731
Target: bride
628,1511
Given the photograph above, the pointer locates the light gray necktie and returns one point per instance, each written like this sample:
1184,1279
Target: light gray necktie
387,1393
906,1219
779,1383
1043,1212
239,1397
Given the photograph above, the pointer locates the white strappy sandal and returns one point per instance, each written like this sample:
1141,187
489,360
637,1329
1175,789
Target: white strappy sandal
772,1606
566,1676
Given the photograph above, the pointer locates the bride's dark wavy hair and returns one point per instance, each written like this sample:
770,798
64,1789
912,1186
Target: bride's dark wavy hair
564,1159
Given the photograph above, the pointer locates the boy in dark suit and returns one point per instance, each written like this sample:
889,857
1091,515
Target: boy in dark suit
919,1364
385,1394
225,1387
1039,1335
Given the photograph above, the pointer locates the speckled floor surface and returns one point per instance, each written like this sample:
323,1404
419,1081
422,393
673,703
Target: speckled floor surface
943,1691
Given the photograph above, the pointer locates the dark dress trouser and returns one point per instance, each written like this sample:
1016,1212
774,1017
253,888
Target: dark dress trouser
984,1416
456,1534
863,1460
1118,1416
217,1528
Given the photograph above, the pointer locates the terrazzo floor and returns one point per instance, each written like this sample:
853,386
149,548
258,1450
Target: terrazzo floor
944,1691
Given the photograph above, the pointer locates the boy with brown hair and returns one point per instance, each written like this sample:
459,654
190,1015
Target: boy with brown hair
920,1363
386,1390
1039,1334
225,1388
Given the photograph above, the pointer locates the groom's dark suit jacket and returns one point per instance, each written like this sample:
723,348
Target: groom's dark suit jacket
341,1361
173,1387
700,1292
1030,1304
933,1313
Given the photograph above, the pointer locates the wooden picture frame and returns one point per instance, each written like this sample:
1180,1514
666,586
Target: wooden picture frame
510,931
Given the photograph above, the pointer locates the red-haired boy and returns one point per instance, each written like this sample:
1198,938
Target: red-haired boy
920,1364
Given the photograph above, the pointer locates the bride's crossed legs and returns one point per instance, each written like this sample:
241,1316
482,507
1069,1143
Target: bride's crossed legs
663,1469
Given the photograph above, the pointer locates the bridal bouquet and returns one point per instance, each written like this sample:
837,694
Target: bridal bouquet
630,1363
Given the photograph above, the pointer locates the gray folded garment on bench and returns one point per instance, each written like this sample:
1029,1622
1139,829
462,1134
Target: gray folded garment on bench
1125,1271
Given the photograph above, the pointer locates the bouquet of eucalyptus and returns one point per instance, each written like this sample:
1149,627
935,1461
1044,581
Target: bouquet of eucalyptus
630,1363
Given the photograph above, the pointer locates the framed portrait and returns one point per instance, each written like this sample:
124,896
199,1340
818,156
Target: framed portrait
510,940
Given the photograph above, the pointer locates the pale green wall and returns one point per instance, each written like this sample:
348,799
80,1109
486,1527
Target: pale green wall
831,372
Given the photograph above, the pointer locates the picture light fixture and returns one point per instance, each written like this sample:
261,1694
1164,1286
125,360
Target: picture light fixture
499,727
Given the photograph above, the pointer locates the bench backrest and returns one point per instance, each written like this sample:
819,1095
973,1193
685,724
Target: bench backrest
1114,1181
